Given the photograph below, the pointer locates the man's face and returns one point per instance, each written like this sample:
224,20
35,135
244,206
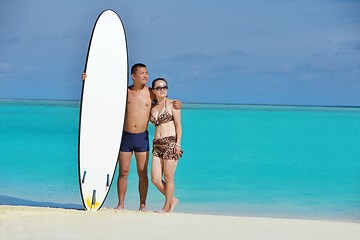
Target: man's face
141,75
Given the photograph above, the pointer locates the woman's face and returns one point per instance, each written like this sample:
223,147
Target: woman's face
160,89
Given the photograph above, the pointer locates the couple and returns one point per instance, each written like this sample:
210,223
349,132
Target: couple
144,104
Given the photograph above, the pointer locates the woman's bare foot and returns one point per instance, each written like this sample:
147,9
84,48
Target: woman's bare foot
162,211
173,203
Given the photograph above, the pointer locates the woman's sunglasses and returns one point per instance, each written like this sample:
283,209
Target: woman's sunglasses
161,88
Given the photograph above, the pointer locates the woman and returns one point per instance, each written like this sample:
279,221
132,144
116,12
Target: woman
166,144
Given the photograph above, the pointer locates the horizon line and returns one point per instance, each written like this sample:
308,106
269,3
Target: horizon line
204,103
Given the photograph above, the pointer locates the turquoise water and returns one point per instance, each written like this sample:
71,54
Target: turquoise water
277,161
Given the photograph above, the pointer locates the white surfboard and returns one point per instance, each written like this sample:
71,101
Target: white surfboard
102,109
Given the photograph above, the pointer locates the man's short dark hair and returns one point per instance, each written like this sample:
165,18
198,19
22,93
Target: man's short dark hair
136,66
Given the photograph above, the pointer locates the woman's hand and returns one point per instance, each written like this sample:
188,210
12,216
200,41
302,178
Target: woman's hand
177,149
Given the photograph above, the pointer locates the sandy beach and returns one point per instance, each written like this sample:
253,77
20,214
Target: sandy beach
19,222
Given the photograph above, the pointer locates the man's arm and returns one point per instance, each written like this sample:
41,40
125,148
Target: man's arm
177,104
83,76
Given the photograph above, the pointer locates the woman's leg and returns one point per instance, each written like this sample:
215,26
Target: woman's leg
156,174
157,170
169,173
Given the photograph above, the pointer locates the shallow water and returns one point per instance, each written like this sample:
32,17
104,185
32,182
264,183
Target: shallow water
280,161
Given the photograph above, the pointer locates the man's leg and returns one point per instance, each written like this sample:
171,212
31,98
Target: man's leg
142,159
124,165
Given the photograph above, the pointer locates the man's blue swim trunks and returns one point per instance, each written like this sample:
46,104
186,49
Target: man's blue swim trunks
137,142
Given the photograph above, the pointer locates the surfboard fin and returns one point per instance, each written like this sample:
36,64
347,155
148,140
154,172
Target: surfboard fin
83,178
108,180
93,200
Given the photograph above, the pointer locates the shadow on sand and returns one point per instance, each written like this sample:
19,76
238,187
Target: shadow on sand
13,201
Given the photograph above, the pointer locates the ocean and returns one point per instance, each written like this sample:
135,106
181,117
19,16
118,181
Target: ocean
242,160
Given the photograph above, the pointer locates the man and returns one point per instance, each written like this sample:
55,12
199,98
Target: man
135,135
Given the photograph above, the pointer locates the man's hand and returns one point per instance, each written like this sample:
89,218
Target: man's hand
177,104
83,76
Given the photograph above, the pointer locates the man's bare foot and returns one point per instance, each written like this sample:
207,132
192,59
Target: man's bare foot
173,203
142,208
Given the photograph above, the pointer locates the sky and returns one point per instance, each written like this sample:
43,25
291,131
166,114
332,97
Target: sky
231,51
